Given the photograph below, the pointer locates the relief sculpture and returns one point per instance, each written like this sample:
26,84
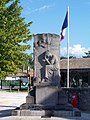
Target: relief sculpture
47,69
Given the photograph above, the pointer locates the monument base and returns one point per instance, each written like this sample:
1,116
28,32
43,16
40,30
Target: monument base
48,101
47,113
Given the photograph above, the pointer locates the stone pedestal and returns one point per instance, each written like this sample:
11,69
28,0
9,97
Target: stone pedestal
49,98
47,95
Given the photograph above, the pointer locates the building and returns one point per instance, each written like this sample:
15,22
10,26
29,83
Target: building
79,69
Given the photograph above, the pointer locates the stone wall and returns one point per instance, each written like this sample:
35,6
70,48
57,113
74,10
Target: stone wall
83,95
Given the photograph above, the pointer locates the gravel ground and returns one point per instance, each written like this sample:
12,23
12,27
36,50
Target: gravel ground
11,100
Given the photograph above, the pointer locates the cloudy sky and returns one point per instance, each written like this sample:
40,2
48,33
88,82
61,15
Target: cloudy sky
48,17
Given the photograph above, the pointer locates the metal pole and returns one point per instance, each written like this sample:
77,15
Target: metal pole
68,53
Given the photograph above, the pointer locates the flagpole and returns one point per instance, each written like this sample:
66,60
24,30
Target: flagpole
68,53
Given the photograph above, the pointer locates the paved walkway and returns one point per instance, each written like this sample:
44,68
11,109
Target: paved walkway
11,100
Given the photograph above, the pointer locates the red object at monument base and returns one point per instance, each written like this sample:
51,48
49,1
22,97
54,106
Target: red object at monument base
75,101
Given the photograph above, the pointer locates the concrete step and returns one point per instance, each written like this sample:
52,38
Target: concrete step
47,113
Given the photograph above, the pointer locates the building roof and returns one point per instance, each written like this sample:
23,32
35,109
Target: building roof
20,73
24,73
77,63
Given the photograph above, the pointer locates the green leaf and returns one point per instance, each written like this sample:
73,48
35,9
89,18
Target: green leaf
14,37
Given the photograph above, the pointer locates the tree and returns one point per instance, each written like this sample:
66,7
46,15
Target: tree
70,57
14,35
87,55
62,57
29,62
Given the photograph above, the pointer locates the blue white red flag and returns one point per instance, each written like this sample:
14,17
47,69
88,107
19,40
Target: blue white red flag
64,26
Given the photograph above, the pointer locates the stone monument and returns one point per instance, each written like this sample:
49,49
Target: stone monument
46,59
46,98
46,69
47,92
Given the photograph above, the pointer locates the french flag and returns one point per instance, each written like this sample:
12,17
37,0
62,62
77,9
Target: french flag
64,26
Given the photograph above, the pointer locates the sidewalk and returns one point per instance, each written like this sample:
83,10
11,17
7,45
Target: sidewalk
11,100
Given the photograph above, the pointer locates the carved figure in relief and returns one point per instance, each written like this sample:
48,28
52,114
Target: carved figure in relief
52,65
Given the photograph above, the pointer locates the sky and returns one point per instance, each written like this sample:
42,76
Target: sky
48,17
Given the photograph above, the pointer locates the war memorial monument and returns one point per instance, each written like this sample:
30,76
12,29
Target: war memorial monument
46,98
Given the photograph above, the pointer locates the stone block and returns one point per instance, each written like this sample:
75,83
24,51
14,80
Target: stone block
34,113
63,99
46,59
15,113
30,99
76,112
63,113
47,95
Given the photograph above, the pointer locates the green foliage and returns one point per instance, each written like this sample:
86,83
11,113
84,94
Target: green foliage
70,57
62,57
29,62
14,35
87,55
